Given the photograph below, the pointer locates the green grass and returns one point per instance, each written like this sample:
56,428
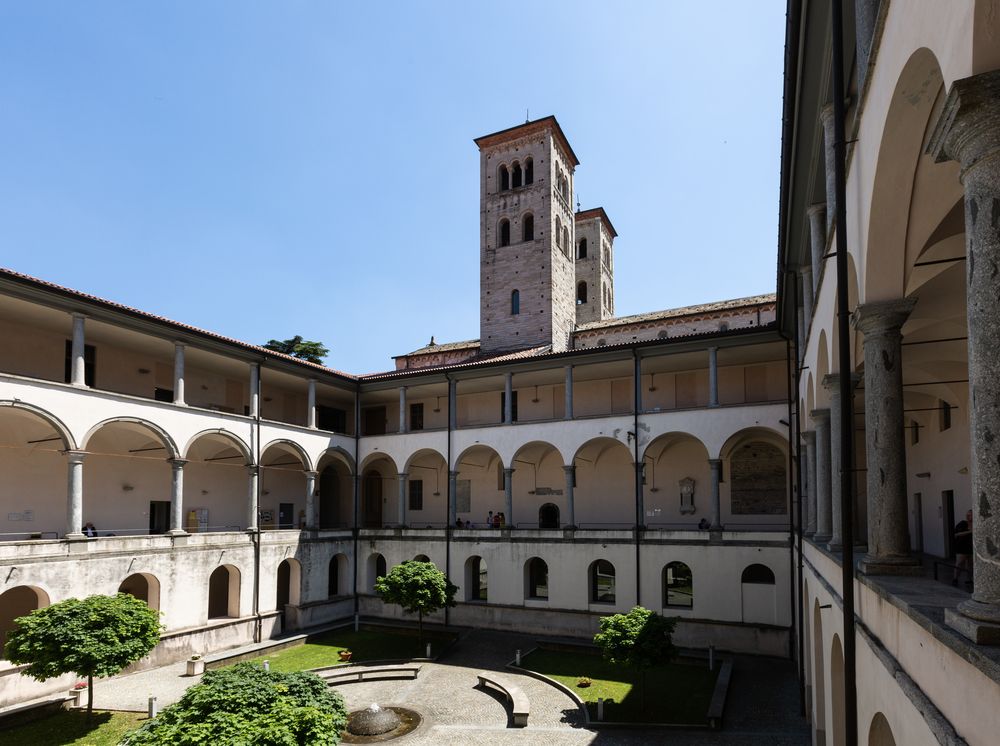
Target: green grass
71,727
675,693
366,645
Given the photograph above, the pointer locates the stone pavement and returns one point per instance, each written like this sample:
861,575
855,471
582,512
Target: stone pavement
762,706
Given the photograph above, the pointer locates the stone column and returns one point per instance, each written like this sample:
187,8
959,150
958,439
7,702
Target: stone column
402,409
311,518
830,160
74,495
885,443
713,376
810,438
821,418
452,497
570,472
78,367
253,472
817,242
832,384
716,467
311,405
177,496
254,391
568,415
402,498
508,400
968,131
452,404
179,373
865,17
805,272
508,489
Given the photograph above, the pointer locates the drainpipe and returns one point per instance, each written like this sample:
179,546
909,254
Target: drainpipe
355,532
639,517
846,389
447,529
259,622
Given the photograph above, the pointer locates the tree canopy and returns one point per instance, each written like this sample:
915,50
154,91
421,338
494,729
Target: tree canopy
418,587
96,636
244,704
639,639
303,349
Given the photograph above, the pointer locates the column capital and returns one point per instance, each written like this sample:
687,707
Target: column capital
968,128
179,344
310,473
76,457
508,470
453,474
79,315
252,469
177,463
715,463
819,415
405,474
882,317
816,211
569,469
831,381
805,270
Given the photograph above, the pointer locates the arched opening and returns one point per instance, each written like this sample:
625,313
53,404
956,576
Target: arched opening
215,483
379,476
837,692
515,176
289,584
819,682
581,292
602,582
338,580
335,500
283,486
421,558
515,302
503,176
880,732
758,595
564,188
376,570
548,516
536,579
601,467
505,232
480,484
559,233
143,586
529,171
678,586
528,227
475,579
16,602
224,593
567,246
426,489
676,470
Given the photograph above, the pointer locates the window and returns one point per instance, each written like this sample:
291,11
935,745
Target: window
505,232
417,416
564,188
559,233
515,302
914,433
333,577
163,394
416,494
515,177
529,171
528,228
331,418
944,419
581,292
538,579
602,582
581,249
476,579
548,516
89,363
566,244
513,406
758,574
678,588
504,178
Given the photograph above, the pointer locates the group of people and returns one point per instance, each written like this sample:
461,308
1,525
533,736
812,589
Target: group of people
493,520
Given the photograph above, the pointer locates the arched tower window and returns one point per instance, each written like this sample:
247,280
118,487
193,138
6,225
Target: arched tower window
515,176
566,244
559,232
515,302
504,178
581,249
529,171
564,188
581,292
528,227
505,232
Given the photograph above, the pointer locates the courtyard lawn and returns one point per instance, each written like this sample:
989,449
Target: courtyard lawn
71,727
366,645
676,693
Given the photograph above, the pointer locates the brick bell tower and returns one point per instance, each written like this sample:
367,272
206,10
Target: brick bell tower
526,238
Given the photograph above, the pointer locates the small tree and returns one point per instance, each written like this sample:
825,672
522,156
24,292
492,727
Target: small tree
314,352
97,636
418,587
244,704
640,640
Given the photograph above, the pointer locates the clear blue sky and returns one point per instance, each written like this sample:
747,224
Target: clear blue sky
269,169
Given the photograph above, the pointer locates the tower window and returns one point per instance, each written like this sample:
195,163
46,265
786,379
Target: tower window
566,243
581,292
504,177
529,171
528,227
559,232
515,177
505,232
564,188
515,302
581,249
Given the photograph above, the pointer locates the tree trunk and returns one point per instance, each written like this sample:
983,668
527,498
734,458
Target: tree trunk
90,696
420,629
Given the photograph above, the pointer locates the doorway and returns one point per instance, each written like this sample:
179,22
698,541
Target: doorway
286,515
159,516
373,500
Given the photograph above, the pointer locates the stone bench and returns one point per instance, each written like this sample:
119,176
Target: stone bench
347,674
517,698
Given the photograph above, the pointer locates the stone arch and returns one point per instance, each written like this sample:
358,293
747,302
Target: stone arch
224,436
423,454
16,602
288,585
283,464
602,466
377,568
139,424
480,470
503,178
880,732
677,479
291,448
224,592
548,516
601,582
528,227
61,430
335,489
536,579
379,475
538,478
837,692
336,453
503,232
215,481
144,586
476,579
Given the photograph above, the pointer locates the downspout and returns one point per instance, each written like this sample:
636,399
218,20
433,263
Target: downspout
355,532
639,467
447,525
846,389
258,621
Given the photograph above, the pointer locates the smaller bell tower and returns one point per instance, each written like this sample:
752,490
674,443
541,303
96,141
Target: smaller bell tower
595,273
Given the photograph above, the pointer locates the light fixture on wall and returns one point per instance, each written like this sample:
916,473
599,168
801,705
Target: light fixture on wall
924,475
535,400
437,407
127,487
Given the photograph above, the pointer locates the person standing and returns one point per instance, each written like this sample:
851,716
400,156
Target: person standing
963,550
489,520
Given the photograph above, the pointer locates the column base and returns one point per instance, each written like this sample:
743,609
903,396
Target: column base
908,566
75,537
820,538
981,632
177,532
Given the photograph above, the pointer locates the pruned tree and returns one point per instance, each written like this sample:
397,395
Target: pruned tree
640,639
419,587
97,636
303,349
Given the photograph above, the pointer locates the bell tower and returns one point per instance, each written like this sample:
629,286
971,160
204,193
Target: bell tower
595,274
526,238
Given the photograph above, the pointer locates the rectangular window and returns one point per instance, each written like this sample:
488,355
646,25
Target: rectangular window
416,494
163,394
89,363
945,415
331,419
417,416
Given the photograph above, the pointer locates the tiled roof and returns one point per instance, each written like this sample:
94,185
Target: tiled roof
596,212
535,125
434,347
670,313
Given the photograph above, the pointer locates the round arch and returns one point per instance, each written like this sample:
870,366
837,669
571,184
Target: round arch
17,602
223,435
142,585
224,592
476,579
371,459
880,732
424,454
819,674
288,587
137,424
335,454
69,443
602,466
290,447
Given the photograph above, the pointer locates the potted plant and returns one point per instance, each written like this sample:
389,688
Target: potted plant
583,682
79,692
195,665
345,655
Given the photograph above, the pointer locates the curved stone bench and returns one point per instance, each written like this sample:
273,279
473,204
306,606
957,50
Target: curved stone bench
349,674
517,698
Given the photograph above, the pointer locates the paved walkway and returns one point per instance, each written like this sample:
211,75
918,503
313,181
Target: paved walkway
761,708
